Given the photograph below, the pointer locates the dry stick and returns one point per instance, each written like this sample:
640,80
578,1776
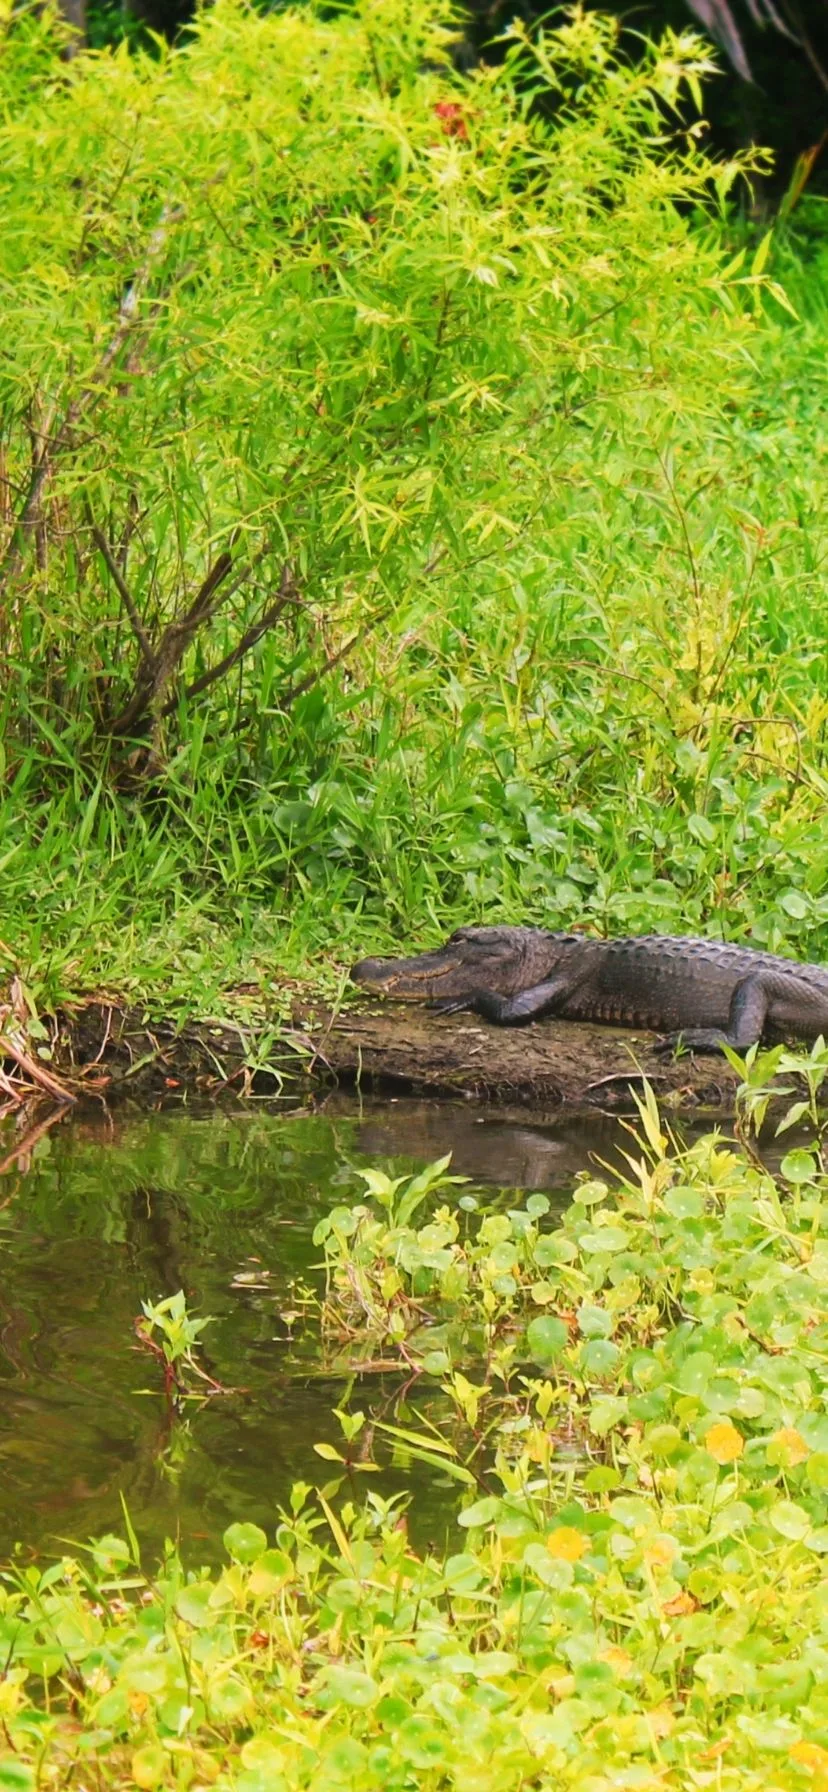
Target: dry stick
804,40
767,12
41,465
438,343
30,1138
160,664
717,18
306,684
12,1046
679,509
735,631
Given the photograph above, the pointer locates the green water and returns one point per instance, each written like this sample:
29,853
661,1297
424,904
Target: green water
112,1209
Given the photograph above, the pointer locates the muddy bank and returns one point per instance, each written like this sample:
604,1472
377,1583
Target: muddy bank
379,1047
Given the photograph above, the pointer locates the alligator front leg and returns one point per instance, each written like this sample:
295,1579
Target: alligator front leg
749,1007
509,1011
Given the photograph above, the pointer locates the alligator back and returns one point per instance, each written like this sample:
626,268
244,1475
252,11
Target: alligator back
666,984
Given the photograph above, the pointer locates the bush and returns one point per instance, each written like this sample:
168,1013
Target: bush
387,458
308,330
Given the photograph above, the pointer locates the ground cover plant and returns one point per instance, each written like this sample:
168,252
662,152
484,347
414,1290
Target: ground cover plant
634,1592
385,457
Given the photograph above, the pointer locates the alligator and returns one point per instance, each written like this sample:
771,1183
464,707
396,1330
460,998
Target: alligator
703,993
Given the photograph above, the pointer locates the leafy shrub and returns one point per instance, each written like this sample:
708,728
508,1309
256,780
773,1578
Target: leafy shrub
387,456
316,332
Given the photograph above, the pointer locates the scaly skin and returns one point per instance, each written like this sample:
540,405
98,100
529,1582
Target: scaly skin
703,992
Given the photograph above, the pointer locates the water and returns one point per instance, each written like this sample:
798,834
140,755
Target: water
114,1209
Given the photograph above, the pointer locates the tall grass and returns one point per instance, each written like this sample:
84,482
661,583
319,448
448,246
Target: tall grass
520,461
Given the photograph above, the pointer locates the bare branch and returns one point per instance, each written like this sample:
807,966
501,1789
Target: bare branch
125,595
153,679
717,18
248,640
333,659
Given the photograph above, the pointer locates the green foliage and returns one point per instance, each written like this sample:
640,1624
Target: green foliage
177,1328
361,365
635,1590
472,392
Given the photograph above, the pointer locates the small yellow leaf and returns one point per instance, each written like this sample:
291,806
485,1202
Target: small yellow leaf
717,1749
660,1722
566,1544
539,1445
724,1442
679,1607
149,1766
811,1754
661,1553
787,1447
617,1659
560,1685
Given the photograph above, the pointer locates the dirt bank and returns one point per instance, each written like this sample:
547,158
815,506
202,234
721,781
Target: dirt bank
376,1046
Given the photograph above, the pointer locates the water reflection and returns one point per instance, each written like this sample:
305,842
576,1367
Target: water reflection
114,1209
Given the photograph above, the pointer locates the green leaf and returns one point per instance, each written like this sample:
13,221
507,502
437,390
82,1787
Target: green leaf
547,1338
799,1166
606,1413
483,1512
790,1520
599,1356
245,1542
15,1776
193,1604
594,1322
793,901
761,253
351,1687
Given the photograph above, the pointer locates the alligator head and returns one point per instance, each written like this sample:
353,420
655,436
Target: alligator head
473,958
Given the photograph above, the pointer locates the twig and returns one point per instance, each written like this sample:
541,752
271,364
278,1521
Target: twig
679,509
248,640
12,1046
125,595
306,684
372,51
438,342
30,1138
735,632
152,679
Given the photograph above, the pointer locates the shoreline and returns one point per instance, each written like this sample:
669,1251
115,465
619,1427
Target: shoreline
101,1047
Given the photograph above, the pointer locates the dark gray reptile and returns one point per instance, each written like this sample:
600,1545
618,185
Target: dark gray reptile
703,992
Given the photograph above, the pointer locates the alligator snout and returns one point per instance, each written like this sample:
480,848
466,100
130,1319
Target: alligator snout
370,970
411,979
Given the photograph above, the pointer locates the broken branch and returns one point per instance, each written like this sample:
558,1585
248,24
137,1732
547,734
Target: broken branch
248,640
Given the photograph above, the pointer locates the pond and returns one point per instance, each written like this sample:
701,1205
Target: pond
115,1208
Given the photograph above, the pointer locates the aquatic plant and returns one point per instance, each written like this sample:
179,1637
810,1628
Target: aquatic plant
634,1593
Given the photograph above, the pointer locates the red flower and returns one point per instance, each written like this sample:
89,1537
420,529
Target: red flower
452,122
